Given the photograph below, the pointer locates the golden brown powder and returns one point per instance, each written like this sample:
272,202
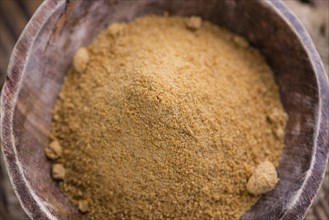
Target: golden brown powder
54,150
263,179
58,171
166,121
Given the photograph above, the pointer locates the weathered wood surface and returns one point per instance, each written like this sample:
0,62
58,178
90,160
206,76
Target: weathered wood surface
14,14
315,17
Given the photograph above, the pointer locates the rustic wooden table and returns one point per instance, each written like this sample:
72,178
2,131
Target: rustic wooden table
15,13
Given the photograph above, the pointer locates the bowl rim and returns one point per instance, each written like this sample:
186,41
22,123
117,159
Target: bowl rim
303,199
32,204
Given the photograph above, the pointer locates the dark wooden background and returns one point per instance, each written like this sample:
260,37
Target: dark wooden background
15,13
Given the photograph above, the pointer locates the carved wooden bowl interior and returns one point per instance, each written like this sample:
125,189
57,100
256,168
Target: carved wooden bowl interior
43,55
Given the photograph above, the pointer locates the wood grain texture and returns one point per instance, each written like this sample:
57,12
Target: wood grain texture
17,12
14,14
319,210
315,17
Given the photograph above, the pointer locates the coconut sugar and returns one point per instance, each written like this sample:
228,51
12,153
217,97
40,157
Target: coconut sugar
166,118
263,179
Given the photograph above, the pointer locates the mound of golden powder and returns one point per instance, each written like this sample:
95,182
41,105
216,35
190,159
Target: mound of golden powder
165,118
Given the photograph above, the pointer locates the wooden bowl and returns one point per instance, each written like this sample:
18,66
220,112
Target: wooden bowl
43,55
